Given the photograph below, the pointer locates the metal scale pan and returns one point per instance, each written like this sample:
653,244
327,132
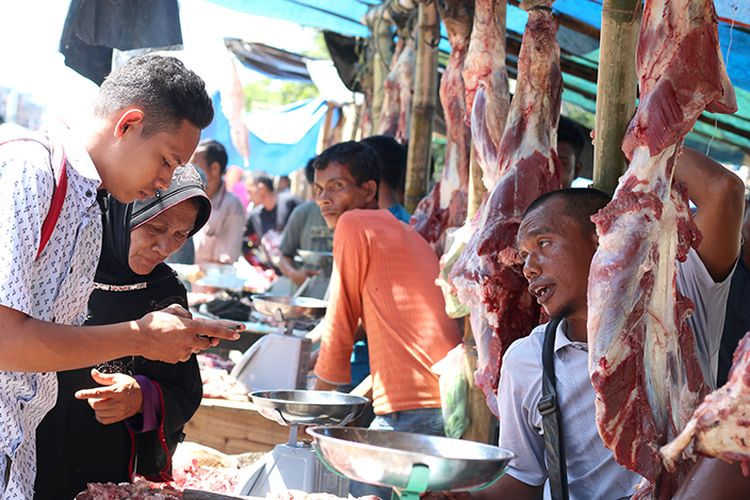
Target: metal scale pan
315,259
287,308
294,465
409,463
309,407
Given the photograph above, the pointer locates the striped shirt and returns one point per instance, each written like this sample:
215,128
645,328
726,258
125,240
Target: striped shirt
384,275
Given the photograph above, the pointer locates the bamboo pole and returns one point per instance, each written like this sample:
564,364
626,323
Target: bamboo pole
481,419
616,87
423,109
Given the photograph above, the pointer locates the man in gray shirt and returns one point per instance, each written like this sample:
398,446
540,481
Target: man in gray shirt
557,241
306,229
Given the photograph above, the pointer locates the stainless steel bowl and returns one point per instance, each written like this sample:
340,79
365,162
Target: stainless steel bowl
317,259
283,308
386,458
309,407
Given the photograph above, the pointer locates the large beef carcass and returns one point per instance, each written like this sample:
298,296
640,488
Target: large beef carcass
487,277
719,427
445,206
641,352
399,89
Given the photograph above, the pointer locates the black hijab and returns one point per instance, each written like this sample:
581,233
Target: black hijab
120,219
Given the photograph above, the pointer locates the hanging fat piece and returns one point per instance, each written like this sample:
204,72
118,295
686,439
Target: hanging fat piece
643,364
487,277
445,206
399,90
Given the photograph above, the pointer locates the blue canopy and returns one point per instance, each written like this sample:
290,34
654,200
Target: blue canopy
281,139
347,17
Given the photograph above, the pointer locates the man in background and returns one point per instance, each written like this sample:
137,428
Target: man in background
271,210
283,184
234,181
306,230
392,157
570,142
220,240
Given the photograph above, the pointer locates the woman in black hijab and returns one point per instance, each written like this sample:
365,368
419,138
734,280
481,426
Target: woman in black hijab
126,416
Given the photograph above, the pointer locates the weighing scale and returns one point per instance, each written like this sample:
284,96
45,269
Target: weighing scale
280,360
294,465
409,463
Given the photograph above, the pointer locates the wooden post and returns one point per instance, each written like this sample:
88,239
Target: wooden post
423,109
616,87
480,425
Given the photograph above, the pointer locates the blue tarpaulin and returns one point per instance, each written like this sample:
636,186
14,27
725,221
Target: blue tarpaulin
281,139
346,17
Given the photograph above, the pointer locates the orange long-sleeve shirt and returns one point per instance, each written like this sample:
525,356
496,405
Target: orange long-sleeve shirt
384,274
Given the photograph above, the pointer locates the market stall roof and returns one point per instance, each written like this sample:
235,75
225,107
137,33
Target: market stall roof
578,36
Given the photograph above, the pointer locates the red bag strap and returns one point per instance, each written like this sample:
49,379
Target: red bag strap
58,195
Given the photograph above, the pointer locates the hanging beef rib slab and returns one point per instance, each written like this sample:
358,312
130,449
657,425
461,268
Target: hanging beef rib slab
641,352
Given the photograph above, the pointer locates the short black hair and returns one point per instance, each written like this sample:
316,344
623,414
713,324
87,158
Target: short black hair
360,159
578,203
392,159
310,171
214,151
163,87
265,180
572,133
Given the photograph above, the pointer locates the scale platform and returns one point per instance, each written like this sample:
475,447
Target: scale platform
409,463
259,368
294,465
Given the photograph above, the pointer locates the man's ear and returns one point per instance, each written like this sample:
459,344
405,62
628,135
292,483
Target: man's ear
129,120
371,190
578,168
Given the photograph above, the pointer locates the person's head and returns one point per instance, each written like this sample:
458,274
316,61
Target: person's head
310,171
159,226
310,174
148,115
260,189
392,162
346,178
233,176
570,142
283,183
211,157
138,236
556,242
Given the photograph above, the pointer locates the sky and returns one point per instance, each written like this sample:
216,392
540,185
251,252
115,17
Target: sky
31,63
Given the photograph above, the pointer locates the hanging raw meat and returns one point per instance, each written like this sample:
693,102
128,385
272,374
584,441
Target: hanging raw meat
399,89
487,276
485,76
445,205
641,351
719,425
486,80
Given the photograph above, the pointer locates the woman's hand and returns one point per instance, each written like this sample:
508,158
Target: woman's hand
120,397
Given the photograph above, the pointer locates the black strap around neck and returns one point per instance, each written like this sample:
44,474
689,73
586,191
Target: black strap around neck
551,418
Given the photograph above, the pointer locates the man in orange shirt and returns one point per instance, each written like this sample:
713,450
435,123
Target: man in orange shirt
383,277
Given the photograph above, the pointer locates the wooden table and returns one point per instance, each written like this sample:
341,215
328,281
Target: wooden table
234,427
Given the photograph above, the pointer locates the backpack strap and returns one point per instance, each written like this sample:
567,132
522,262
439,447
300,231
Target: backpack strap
548,407
59,190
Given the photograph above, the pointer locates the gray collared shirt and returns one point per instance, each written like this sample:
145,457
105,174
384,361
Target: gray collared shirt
592,471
